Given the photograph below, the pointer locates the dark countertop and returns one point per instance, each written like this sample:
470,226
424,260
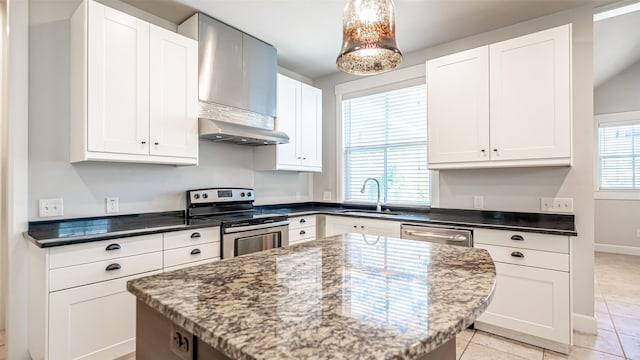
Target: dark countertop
343,297
81,230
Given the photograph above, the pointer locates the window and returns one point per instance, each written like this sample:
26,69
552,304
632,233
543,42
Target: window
619,156
385,137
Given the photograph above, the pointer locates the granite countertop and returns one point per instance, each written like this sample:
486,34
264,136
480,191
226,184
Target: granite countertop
73,231
344,297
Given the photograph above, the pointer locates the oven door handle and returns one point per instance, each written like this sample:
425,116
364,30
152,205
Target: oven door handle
232,230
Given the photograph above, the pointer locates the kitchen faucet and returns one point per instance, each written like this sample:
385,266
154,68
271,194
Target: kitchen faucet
378,204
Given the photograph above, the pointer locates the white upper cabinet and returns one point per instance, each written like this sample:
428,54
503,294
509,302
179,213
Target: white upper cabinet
458,107
173,94
133,90
299,115
506,104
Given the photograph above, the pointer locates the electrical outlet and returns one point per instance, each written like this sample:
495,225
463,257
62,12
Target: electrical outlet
478,202
50,207
112,205
557,205
326,196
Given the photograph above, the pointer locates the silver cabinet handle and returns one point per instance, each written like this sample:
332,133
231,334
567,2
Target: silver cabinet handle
456,238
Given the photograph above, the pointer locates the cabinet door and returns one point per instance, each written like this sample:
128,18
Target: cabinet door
173,124
311,127
95,321
458,107
336,225
531,96
531,301
289,91
118,82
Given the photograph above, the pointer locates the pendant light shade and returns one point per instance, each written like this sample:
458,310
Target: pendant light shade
369,38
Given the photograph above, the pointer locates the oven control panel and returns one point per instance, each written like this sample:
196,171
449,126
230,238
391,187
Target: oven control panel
220,195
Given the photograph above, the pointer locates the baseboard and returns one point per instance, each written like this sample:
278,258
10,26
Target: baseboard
525,338
618,249
585,323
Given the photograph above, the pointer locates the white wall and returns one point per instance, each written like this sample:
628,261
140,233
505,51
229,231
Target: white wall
139,187
14,174
3,244
617,220
513,189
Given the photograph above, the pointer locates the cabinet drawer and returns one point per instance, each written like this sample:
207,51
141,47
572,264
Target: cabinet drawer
71,276
555,243
196,263
103,250
298,235
179,239
527,257
302,221
189,254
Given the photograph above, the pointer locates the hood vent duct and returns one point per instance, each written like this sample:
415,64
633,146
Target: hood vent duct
237,77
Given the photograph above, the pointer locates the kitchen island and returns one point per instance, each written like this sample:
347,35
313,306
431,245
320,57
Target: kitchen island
344,297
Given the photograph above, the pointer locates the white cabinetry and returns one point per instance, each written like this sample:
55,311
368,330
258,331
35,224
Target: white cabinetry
300,117
302,229
336,225
505,104
133,90
192,247
532,301
78,301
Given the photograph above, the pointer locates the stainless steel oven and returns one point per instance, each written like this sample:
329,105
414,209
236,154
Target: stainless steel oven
241,239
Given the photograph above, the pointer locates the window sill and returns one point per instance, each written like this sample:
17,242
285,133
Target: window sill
616,194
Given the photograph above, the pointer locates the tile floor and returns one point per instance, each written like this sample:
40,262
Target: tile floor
617,293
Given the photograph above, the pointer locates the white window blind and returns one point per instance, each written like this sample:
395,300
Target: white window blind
385,137
619,156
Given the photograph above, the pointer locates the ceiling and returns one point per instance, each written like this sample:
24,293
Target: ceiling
308,33
616,46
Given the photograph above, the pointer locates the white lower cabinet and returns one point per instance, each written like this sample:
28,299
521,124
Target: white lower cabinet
532,299
96,321
78,300
336,225
302,229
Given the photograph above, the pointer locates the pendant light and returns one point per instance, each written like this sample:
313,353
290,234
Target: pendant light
369,38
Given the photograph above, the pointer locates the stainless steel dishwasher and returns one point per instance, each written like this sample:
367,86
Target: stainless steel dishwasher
441,235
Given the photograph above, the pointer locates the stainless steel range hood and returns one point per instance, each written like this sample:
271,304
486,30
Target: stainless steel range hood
236,84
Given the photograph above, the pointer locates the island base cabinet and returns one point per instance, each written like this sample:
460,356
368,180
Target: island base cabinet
533,302
94,321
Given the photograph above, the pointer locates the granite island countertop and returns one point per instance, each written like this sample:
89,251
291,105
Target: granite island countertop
344,297
81,230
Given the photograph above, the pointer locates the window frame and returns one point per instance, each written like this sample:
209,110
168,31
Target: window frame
610,120
406,77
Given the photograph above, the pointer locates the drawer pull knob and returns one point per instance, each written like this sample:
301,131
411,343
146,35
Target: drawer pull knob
195,235
361,226
517,238
195,251
112,247
302,232
517,254
112,267
302,221
355,226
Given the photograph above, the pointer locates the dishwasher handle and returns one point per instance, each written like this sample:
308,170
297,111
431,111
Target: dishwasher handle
454,238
